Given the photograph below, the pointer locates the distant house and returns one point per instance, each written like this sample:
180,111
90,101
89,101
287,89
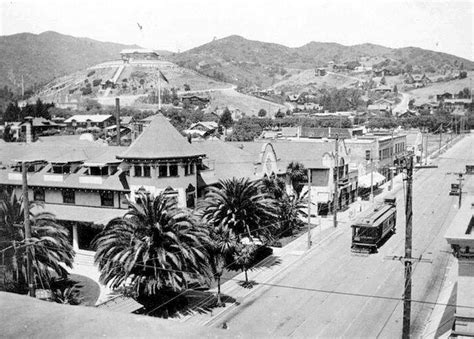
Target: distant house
408,114
138,54
443,96
417,80
201,128
379,108
383,101
39,125
90,120
383,89
195,100
320,72
458,103
340,67
293,97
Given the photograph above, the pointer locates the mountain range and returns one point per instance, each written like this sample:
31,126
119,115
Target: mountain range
245,62
43,57
39,58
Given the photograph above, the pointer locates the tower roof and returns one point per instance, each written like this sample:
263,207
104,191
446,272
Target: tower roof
160,140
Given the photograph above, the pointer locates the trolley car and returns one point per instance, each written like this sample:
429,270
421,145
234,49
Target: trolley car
374,228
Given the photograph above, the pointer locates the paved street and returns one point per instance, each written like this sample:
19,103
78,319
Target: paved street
302,304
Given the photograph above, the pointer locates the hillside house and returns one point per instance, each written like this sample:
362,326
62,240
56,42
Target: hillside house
201,128
443,96
379,108
417,80
138,54
383,89
88,121
460,104
320,72
195,100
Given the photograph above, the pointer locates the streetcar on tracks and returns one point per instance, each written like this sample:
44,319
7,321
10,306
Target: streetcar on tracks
373,228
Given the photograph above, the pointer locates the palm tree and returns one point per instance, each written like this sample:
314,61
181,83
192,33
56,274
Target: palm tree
296,173
241,205
290,207
222,245
155,246
49,241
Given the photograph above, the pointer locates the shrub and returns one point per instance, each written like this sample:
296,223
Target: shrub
91,73
86,90
96,82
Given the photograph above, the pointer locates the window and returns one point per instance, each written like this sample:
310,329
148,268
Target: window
191,168
38,194
107,198
173,170
162,171
186,169
146,171
190,196
138,170
69,197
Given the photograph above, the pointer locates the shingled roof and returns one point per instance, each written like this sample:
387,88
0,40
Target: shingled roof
160,140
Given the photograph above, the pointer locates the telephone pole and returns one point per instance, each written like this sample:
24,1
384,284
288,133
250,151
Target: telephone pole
371,180
309,208
408,247
391,162
336,182
26,216
460,179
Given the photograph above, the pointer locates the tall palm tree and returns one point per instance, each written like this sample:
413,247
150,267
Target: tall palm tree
241,205
155,246
49,241
222,246
296,174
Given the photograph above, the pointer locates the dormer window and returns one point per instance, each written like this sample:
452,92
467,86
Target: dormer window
163,170
173,169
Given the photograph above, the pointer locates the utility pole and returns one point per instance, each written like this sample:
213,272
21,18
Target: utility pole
336,182
408,247
391,162
371,180
309,208
460,179
408,259
426,149
26,216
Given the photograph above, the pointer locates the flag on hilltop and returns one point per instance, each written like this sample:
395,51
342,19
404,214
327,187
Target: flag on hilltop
162,76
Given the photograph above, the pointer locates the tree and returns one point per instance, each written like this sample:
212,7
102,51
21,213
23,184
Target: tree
242,206
156,246
12,113
395,89
244,257
222,246
245,129
462,75
50,245
187,88
290,207
226,119
262,113
296,174
383,81
279,114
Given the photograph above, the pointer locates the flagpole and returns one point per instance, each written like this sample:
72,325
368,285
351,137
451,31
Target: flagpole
159,92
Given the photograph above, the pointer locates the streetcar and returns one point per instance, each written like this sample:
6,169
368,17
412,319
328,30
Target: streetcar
373,228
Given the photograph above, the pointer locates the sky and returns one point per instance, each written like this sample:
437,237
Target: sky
178,25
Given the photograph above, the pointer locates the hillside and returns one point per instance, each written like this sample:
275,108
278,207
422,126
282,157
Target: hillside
39,58
247,62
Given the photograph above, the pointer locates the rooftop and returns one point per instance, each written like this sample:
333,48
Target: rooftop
88,117
160,140
88,322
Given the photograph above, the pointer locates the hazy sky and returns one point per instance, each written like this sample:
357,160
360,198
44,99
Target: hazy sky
175,25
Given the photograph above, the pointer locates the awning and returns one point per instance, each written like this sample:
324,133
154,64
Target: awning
93,215
364,180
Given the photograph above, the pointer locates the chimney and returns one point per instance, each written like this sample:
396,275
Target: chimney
28,131
117,117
